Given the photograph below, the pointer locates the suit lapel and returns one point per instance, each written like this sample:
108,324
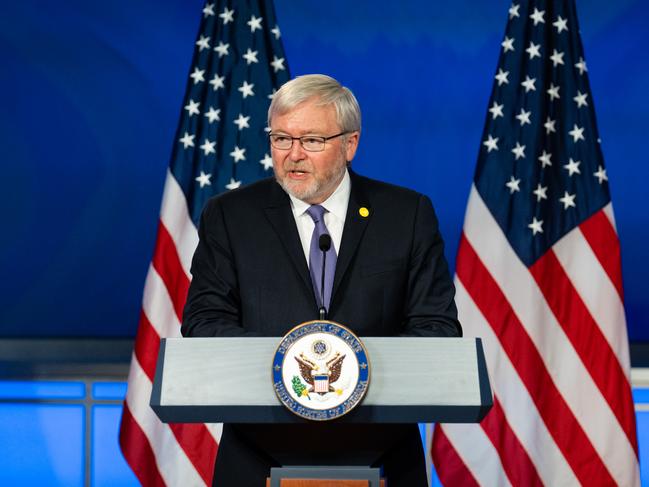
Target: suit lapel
355,225
279,213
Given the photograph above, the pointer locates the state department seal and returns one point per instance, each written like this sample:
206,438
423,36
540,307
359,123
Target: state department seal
320,370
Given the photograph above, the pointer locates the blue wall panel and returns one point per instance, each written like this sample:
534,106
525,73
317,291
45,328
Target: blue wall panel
41,445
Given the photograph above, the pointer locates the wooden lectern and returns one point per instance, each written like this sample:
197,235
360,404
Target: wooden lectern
412,380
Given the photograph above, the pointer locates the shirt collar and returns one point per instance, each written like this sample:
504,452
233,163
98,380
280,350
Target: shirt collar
336,204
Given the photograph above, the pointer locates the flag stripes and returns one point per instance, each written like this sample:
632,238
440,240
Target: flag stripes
602,238
587,338
167,264
139,453
595,289
443,453
174,215
517,344
515,460
516,402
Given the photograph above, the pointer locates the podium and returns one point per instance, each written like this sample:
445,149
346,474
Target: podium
412,380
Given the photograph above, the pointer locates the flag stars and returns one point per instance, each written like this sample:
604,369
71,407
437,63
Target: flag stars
254,23
568,200
213,114
242,122
536,226
519,151
496,110
277,64
501,77
276,32
524,117
557,58
233,184
537,16
250,56
267,162
222,49
572,167
529,84
217,82
580,99
540,192
187,140
513,11
192,108
560,24
204,179
545,159
581,66
238,154
197,75
246,89
513,185
208,10
549,126
203,43
491,143
600,174
533,50
508,44
553,91
577,133
227,16
208,147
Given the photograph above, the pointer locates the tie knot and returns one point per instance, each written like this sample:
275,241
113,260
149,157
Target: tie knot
316,212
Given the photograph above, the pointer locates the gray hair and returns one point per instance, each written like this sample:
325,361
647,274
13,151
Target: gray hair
327,90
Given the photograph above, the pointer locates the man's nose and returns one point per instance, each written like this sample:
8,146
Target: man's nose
297,151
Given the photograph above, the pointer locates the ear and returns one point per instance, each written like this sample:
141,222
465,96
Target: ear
351,145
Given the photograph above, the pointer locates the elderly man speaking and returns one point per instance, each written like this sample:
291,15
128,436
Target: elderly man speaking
256,272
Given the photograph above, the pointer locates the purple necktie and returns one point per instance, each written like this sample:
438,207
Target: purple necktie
316,212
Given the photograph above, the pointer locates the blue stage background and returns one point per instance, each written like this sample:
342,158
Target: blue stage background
90,94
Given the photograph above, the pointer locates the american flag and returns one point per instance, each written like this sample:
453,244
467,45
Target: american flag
538,277
220,144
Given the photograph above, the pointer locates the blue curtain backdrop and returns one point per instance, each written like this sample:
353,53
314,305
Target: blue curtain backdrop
90,94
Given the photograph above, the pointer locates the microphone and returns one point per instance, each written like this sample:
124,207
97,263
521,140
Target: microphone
325,244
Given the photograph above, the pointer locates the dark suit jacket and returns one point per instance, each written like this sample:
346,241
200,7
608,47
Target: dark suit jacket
250,277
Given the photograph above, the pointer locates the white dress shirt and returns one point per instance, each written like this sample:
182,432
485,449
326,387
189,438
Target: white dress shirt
336,206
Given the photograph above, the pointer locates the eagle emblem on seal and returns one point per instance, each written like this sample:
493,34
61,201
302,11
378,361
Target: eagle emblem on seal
320,376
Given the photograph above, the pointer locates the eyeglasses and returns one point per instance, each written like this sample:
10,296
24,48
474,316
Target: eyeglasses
310,143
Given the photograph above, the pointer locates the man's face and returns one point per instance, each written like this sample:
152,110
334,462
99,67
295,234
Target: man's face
311,176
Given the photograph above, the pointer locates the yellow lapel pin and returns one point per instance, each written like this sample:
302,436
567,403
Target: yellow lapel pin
364,212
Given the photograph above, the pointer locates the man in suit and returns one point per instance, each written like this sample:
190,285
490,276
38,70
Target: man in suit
253,275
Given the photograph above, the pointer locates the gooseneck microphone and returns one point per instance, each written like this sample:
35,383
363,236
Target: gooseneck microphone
325,244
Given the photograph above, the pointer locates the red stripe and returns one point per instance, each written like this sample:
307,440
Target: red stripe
450,468
137,451
587,339
167,263
147,346
516,462
564,428
199,446
602,238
